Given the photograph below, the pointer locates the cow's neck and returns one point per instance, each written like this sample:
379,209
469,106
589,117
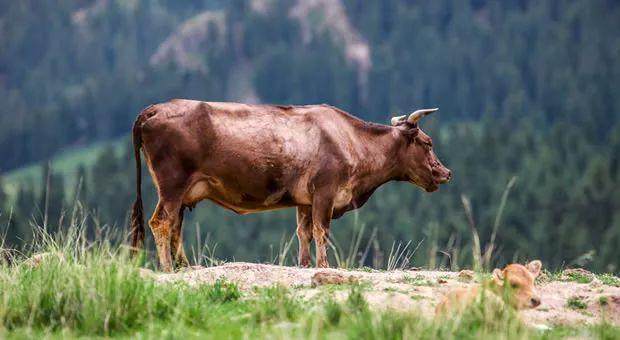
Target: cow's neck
381,158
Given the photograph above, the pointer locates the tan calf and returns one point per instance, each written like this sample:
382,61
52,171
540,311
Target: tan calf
513,284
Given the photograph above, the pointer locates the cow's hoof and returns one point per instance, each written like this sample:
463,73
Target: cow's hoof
187,269
322,264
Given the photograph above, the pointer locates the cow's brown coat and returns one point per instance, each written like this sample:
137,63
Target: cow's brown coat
252,158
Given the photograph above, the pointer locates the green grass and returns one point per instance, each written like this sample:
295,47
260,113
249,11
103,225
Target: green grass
88,289
576,302
578,278
418,280
609,279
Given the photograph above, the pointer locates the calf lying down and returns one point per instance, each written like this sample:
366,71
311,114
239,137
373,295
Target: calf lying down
514,284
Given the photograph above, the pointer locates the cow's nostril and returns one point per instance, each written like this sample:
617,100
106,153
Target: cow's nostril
535,301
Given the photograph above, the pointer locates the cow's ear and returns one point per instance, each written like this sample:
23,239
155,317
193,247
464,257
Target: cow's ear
398,120
410,131
534,267
498,277
404,123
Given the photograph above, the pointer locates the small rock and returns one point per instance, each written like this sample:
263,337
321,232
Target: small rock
466,275
331,278
595,283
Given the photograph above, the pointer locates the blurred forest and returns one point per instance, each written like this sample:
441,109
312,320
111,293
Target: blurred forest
527,90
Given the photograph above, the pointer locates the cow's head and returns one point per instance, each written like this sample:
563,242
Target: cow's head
421,165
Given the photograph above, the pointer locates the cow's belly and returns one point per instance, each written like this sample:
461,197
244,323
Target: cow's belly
249,201
240,201
343,197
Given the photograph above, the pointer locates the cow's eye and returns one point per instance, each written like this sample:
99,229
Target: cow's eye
514,285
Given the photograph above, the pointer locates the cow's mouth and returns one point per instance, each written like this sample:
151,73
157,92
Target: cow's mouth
432,187
428,187
444,179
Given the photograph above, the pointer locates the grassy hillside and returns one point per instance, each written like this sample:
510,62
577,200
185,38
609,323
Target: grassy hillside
94,289
65,163
526,90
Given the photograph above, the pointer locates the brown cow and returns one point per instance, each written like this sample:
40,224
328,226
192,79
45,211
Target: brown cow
251,158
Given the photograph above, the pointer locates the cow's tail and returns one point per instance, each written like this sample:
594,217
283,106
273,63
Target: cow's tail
137,214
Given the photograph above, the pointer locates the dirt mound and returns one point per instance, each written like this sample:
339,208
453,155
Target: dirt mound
562,302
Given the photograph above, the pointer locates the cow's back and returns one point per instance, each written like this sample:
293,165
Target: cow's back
290,134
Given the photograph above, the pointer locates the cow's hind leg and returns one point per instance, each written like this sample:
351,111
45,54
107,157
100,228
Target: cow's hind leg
304,234
176,244
163,220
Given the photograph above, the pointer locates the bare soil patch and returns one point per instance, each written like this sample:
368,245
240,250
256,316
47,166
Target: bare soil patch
563,303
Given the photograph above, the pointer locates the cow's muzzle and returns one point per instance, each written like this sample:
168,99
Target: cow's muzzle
440,176
446,177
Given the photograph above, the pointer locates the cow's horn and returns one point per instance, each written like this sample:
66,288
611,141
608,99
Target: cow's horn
396,120
418,114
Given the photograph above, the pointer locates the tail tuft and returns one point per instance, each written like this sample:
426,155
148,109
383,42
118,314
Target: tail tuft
137,227
137,214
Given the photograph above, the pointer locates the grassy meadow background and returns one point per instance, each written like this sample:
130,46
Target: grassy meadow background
528,121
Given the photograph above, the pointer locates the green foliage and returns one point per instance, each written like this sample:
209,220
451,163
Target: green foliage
525,90
333,312
576,302
609,279
356,303
101,295
276,303
418,280
578,277
223,291
93,289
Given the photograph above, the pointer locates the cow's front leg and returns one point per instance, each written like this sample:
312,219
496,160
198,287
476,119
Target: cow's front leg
322,208
176,242
304,234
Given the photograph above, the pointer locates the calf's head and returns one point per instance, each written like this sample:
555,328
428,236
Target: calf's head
516,282
421,165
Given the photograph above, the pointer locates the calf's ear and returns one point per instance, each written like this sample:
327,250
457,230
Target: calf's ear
534,267
498,276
